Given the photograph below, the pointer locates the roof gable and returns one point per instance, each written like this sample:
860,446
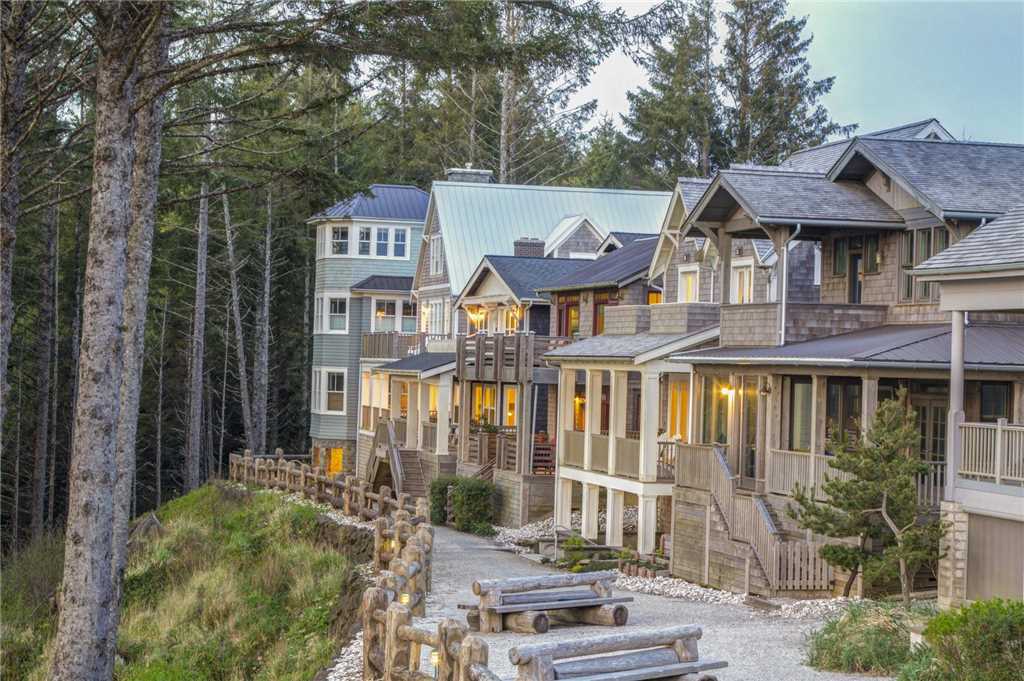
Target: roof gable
522,277
618,268
998,245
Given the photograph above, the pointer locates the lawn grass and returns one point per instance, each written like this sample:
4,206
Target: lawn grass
236,585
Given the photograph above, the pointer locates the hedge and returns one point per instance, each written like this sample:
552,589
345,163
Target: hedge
984,640
473,505
439,498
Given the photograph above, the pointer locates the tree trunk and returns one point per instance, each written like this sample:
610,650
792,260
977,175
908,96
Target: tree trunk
307,334
82,645
158,462
146,139
223,395
47,305
261,368
208,459
15,20
193,441
243,374
508,96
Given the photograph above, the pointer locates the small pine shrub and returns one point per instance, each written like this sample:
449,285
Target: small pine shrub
871,638
472,503
439,498
984,640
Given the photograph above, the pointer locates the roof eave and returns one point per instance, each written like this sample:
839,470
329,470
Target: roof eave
930,274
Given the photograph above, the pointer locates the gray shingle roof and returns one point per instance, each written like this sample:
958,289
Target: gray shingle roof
618,346
615,269
996,245
424,361
990,346
381,282
384,202
794,195
821,158
626,238
692,189
947,177
525,276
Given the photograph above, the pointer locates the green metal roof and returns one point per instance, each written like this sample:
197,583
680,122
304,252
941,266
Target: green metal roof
480,219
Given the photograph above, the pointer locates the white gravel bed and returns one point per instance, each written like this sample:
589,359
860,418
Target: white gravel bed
514,538
676,588
329,511
348,665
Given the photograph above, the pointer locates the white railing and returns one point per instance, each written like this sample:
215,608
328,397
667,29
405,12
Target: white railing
693,465
992,452
572,453
931,485
599,453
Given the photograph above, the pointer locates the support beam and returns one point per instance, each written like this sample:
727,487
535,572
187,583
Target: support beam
614,507
647,524
650,406
617,393
592,419
725,258
424,412
591,497
412,425
444,417
563,502
869,402
956,401
566,387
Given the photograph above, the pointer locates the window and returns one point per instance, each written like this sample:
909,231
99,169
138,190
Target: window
436,255
509,406
383,241
364,241
601,300
800,413
318,314
384,315
817,263
906,264
568,315
337,319
336,392
403,400
689,284
886,182
434,320
579,403
842,406
922,250
485,410
408,317
339,241
328,390
872,256
995,402
917,246
742,283
654,297
399,247
678,407
839,257
715,403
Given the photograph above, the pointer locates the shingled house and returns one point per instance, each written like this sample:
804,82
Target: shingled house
787,371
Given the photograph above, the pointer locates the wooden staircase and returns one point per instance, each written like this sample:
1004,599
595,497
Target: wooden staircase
412,473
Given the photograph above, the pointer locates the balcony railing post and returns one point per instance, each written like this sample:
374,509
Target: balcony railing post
1000,440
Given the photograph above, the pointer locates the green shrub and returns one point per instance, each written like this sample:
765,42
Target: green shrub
984,640
439,498
483,529
922,667
868,638
472,503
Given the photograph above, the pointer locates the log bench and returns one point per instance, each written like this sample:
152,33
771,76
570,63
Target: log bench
529,604
667,652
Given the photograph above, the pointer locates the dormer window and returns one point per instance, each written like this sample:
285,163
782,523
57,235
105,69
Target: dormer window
886,182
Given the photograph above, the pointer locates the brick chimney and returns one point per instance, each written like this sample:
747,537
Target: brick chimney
528,247
469,174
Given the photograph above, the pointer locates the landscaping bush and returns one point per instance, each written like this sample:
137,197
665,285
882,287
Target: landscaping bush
439,498
984,640
868,638
472,504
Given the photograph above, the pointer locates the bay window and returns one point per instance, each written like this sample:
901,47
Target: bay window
364,241
383,241
339,241
916,246
337,319
399,246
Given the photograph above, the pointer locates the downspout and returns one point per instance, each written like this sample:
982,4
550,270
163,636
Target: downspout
784,281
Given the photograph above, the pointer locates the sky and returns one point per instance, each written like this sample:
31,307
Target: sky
894,62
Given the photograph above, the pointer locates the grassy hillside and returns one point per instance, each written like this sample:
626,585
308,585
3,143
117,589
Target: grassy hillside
233,585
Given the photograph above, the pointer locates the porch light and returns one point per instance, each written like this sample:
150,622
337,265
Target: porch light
404,599
727,390
435,658
766,390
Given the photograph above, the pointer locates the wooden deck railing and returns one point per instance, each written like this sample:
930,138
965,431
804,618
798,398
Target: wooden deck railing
993,452
693,465
506,459
369,416
390,344
599,453
572,453
666,462
401,428
627,458
502,357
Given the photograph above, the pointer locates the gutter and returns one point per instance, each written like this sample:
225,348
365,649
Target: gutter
840,363
829,223
969,215
1002,267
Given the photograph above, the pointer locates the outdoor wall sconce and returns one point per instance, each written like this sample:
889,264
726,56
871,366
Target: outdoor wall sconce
404,599
766,390
727,390
435,658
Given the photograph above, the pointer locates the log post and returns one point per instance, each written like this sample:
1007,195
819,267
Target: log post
449,639
422,509
604,615
374,600
380,526
472,651
526,622
396,650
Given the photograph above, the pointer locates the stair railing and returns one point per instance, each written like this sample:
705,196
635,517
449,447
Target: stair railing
386,439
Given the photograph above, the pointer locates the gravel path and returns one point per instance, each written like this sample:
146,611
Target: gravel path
758,647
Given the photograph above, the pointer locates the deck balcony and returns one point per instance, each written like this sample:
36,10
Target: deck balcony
395,344
992,453
509,358
626,463
757,325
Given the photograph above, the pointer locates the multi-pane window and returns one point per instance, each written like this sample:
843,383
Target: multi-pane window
384,315
314,397
408,317
689,284
995,401
742,284
654,297
840,255
383,239
715,416
318,314
336,391
872,256
434,320
364,241
916,246
339,241
842,406
568,315
436,255
509,405
800,413
601,300
337,318
399,245
485,408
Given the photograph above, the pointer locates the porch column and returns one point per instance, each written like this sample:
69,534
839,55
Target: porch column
818,414
869,403
649,408
725,257
444,420
395,393
566,387
412,425
691,407
591,497
733,421
424,412
616,415
614,506
592,419
647,524
563,502
956,400
371,403
465,408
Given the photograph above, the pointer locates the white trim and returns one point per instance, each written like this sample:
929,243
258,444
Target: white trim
319,390
580,255
741,264
693,268
324,241
436,256
661,489
399,316
322,312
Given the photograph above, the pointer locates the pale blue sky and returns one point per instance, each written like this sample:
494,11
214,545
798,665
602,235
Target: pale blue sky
896,62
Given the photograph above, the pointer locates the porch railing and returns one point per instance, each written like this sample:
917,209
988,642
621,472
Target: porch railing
693,465
572,453
599,453
627,458
931,485
390,344
506,457
429,436
666,461
992,452
503,357
369,416
401,428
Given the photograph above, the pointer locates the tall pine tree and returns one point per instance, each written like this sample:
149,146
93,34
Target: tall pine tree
774,106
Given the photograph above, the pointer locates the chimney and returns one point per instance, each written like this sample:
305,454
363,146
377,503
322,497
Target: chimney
469,174
528,247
